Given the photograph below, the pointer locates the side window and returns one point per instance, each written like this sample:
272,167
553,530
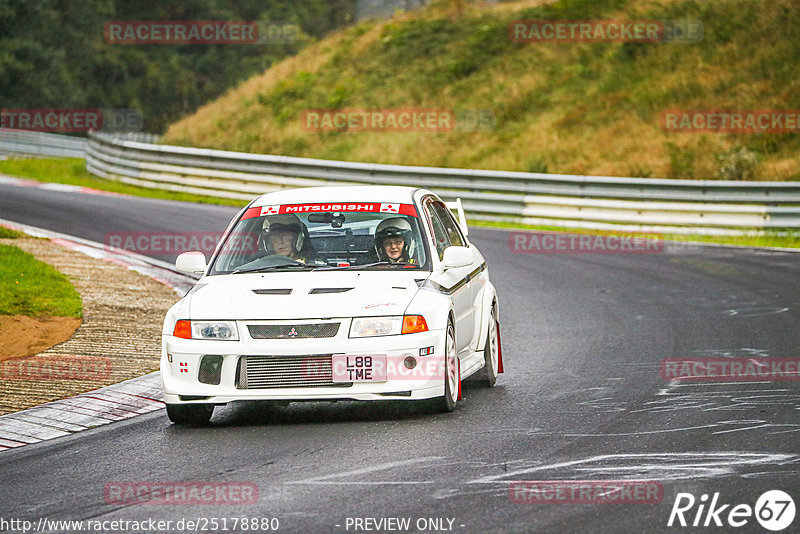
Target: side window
449,223
439,232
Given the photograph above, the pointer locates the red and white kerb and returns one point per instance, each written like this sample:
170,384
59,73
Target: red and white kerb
367,207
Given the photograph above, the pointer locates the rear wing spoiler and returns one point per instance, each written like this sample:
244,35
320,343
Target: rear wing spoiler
459,211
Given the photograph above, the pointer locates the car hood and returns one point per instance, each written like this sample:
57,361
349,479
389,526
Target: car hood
302,295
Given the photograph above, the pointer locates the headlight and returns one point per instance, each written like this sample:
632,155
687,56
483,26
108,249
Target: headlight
218,330
387,326
376,326
215,330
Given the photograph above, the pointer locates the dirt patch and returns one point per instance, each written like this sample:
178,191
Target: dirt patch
25,336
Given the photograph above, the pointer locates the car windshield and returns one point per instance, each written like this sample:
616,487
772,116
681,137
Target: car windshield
268,239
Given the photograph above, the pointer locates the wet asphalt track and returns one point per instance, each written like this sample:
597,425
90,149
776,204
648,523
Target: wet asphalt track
582,398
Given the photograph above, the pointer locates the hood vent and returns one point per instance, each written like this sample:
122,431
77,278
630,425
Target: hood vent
326,290
273,291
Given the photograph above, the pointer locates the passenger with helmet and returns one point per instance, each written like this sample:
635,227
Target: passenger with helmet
286,235
394,241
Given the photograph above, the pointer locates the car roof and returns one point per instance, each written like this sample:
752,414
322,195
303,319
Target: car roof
339,194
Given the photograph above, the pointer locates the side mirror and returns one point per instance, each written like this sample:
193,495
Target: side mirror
455,256
191,262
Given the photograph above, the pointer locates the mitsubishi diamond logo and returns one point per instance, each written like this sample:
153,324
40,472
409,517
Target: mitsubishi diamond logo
292,333
270,210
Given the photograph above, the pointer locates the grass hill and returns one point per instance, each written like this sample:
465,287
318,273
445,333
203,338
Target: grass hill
577,108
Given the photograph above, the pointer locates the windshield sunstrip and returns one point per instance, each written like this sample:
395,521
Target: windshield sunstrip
364,207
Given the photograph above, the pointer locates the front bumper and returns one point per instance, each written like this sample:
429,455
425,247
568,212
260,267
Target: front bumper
180,365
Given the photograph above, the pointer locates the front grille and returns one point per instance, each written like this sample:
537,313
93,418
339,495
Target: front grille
293,331
264,372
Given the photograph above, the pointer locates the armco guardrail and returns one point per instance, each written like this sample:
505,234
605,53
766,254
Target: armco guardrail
41,144
679,206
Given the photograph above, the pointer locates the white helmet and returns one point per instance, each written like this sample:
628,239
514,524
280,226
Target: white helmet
394,227
287,222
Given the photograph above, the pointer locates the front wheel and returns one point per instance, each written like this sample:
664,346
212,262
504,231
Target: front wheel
190,414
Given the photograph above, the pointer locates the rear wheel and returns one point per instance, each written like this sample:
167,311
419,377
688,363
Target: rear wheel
452,378
190,414
491,352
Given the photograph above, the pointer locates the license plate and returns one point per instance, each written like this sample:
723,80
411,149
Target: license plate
371,368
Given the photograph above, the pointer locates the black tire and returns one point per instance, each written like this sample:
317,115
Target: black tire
190,414
448,402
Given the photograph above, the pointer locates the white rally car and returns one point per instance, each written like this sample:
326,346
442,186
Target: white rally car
330,293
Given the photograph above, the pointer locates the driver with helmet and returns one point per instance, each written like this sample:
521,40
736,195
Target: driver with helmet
286,235
394,241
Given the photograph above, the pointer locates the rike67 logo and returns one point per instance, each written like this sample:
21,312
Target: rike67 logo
774,510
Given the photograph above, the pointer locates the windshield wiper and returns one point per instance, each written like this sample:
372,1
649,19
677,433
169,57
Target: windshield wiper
299,266
374,264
